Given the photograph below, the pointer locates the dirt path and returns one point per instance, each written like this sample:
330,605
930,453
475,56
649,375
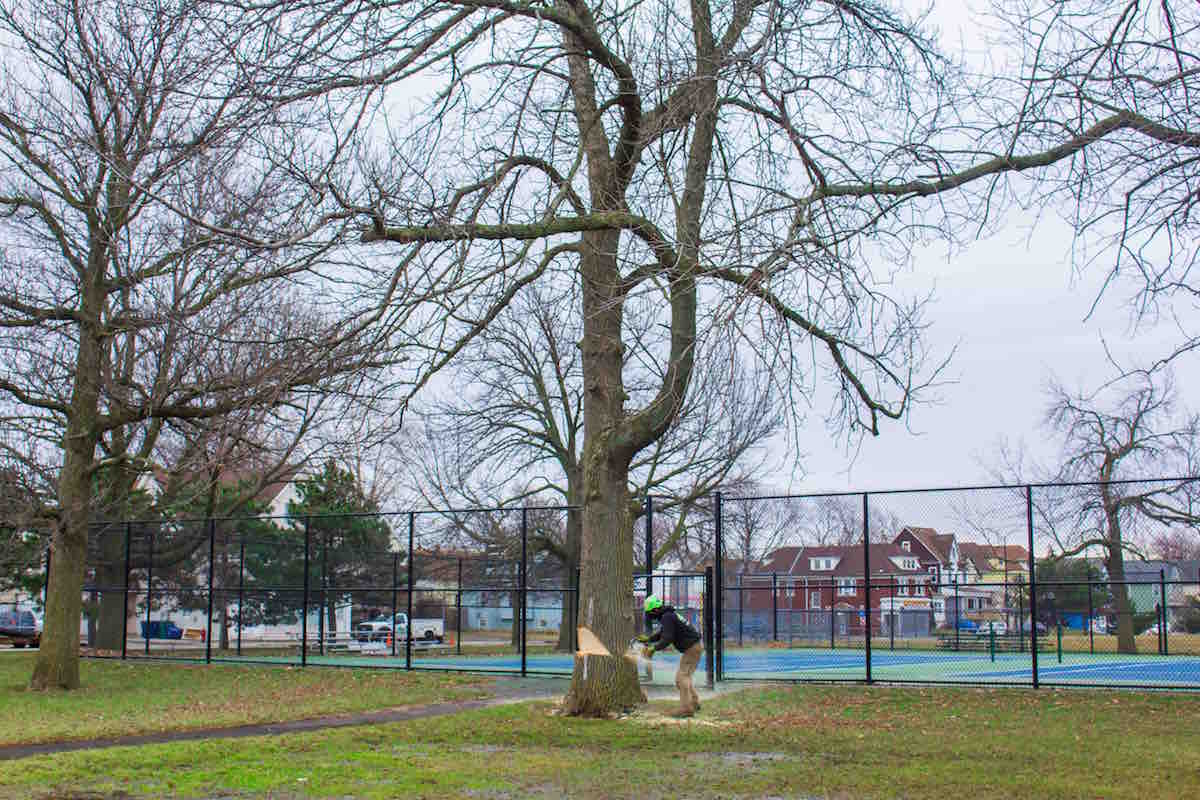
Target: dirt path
502,691
14,751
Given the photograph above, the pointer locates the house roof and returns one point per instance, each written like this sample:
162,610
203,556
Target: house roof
937,543
781,560
1014,554
850,560
978,554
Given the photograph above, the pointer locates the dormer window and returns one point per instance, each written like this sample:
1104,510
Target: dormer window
820,564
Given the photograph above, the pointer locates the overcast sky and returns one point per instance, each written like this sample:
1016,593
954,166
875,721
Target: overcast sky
1018,315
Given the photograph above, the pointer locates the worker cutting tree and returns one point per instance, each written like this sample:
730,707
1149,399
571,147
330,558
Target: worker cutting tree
671,629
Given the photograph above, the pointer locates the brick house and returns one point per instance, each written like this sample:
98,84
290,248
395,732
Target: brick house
805,584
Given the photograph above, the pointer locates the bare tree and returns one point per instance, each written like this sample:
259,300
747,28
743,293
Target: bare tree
513,426
1125,74
838,520
130,150
1131,435
769,163
1176,544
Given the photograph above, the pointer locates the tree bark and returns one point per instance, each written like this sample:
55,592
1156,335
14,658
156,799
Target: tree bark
1126,640
57,665
603,684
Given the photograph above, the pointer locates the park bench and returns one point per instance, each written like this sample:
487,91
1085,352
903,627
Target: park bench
1005,643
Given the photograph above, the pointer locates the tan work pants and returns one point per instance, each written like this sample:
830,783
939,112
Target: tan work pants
689,701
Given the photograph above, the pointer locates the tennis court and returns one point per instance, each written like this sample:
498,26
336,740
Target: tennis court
911,666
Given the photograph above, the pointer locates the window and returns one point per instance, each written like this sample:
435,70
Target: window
910,563
906,546
845,586
789,592
815,600
820,564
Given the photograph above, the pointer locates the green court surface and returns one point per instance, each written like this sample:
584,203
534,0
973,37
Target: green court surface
840,664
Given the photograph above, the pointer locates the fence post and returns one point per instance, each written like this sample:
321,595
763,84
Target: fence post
708,626
1091,614
241,589
1162,626
956,613
1033,645
304,602
125,594
524,586
324,593
867,582
458,605
212,556
395,600
774,607
719,594
649,549
149,580
832,613
408,620
892,618
1020,614
741,609
1058,624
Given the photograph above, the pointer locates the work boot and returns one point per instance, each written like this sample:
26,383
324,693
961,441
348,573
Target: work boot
683,713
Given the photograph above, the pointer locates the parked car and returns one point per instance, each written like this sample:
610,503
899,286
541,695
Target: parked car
992,626
20,628
161,629
965,624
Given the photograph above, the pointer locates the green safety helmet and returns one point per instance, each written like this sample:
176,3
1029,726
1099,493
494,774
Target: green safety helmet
652,602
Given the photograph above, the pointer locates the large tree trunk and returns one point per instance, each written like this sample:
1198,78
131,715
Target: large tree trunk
57,664
603,684
1126,640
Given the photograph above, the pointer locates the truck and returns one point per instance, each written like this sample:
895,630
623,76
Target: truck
379,629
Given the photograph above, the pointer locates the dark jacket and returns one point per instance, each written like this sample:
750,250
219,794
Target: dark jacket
672,631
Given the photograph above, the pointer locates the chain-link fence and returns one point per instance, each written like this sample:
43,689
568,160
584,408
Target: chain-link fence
1080,584
1026,585
475,589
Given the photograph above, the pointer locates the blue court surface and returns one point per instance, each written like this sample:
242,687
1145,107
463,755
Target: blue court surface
847,664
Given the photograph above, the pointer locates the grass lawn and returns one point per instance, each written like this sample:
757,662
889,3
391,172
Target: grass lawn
837,742
147,697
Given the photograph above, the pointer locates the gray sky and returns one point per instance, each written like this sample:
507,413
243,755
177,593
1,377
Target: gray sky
1018,315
